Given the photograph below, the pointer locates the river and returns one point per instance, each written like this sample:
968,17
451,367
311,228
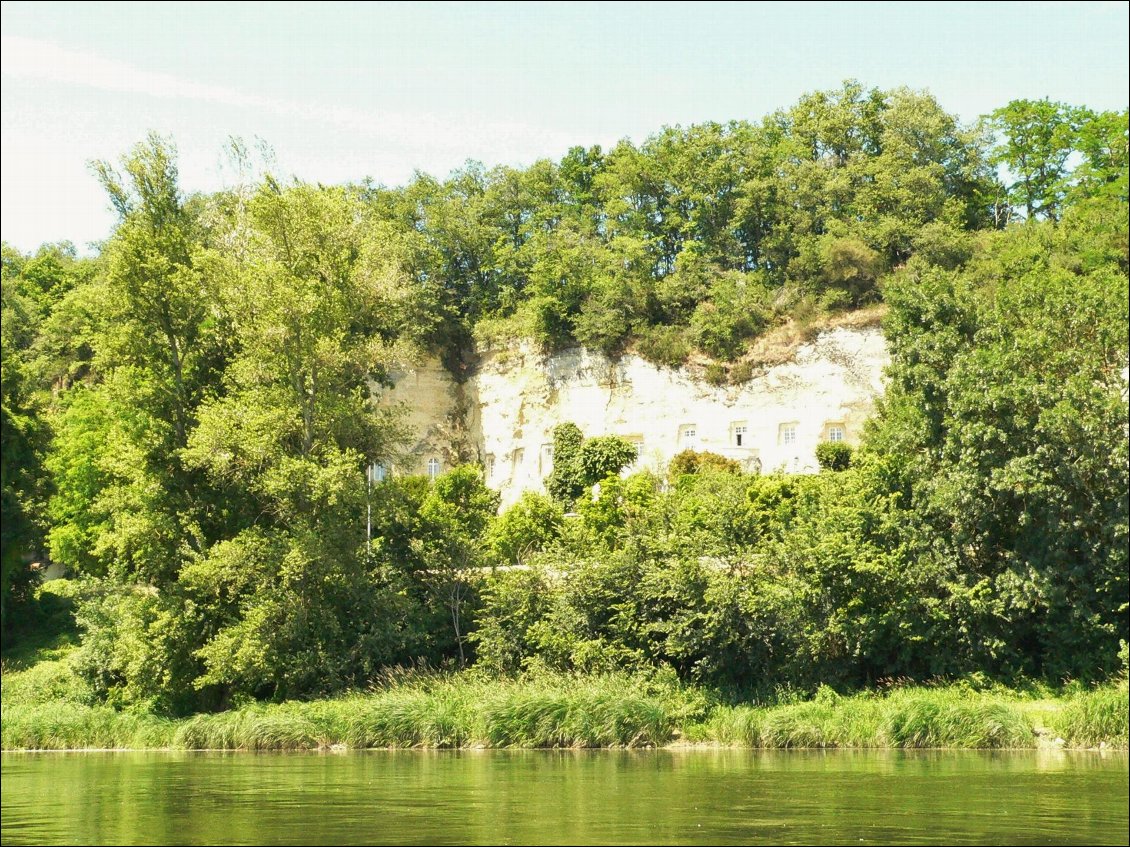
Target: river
565,797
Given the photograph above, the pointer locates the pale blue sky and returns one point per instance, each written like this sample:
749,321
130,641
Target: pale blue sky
344,91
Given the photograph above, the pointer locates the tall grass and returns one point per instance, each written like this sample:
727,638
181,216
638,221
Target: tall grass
914,717
72,726
547,710
1100,716
425,711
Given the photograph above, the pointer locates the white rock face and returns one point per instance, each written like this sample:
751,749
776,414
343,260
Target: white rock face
515,399
429,397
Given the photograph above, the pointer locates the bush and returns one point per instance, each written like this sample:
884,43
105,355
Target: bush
693,461
664,345
833,456
741,373
527,527
720,331
715,374
850,266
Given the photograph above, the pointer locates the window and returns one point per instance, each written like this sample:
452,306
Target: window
490,466
835,433
545,459
433,468
740,431
788,433
688,436
637,445
516,460
377,472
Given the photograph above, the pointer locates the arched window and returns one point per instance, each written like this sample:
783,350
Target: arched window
433,468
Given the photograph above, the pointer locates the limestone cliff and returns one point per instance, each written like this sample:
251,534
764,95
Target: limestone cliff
505,413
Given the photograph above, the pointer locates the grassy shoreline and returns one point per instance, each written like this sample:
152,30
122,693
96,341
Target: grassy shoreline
550,711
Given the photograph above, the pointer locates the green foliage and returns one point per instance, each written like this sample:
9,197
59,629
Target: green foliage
38,358
454,517
580,463
514,601
604,456
833,455
701,234
540,709
565,482
1037,140
664,345
528,527
850,266
187,417
1099,716
693,461
23,437
1006,416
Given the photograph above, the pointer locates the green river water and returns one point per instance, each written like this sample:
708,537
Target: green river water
565,797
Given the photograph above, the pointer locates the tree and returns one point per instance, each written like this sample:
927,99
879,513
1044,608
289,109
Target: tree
604,456
453,518
158,340
1101,139
529,526
288,442
23,442
1035,140
565,482
1006,419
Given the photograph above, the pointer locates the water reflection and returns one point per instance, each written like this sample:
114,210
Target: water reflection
557,797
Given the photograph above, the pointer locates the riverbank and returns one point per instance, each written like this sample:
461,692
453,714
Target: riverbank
41,712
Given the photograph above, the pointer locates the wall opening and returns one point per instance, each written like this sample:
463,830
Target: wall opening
739,434
688,437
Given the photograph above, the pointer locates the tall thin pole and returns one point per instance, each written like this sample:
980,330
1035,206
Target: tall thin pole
369,510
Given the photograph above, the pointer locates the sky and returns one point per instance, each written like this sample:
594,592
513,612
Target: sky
345,91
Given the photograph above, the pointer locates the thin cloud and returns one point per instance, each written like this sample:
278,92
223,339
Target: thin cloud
45,61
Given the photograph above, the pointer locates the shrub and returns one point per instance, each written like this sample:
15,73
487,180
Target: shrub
719,330
715,374
833,456
664,345
565,483
741,373
693,461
